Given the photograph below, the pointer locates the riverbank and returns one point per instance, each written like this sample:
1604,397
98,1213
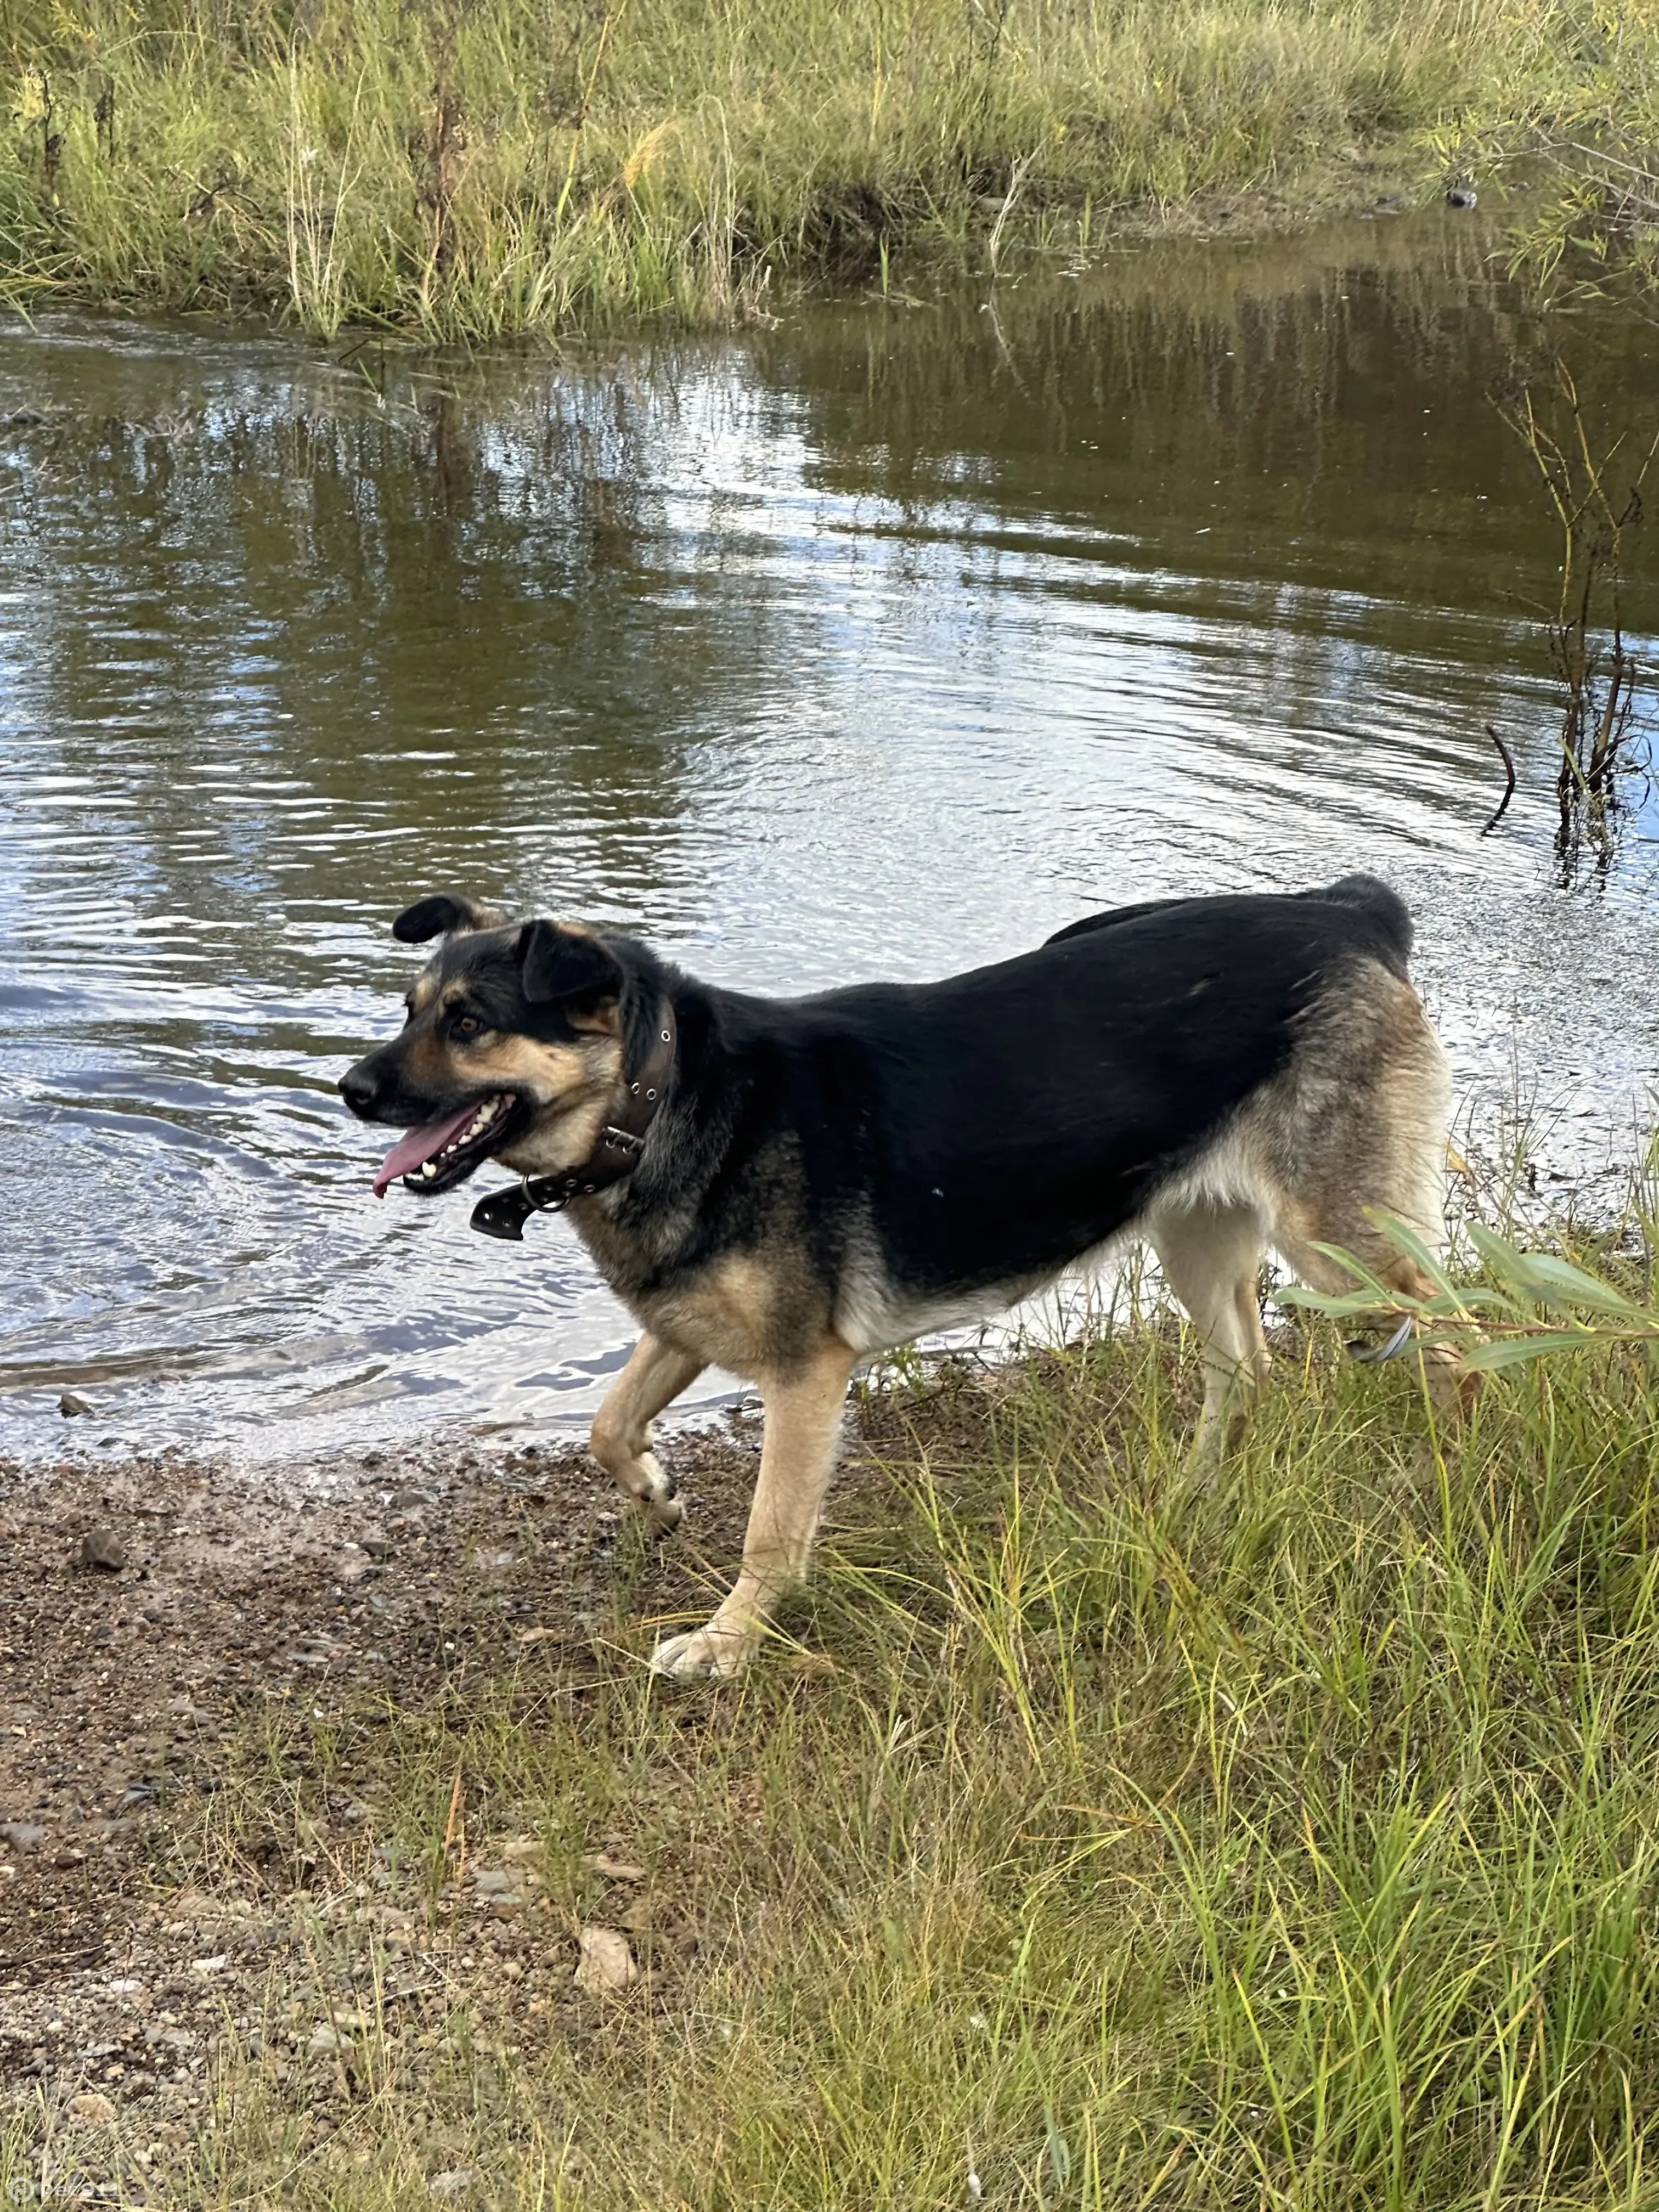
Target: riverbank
469,172
1103,1839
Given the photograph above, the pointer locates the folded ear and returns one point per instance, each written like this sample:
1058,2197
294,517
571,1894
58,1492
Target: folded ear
563,963
440,914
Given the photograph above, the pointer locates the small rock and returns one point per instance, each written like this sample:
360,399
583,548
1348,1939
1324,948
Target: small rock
92,2109
616,1869
1461,196
409,1501
378,1547
507,1889
103,1549
605,1964
68,1406
22,1835
454,2183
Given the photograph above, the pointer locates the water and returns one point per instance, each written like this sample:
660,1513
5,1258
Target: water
878,642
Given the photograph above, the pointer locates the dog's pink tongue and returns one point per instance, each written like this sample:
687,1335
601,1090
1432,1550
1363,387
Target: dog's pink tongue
415,1147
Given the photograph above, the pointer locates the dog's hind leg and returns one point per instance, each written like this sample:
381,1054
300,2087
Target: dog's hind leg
803,1424
1381,1145
1211,1257
654,1377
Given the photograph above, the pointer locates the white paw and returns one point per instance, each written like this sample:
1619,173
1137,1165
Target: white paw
659,1500
663,1512
708,1654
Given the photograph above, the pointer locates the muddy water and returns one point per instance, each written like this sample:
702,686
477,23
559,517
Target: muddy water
881,641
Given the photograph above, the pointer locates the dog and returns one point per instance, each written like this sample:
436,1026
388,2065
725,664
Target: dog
785,1188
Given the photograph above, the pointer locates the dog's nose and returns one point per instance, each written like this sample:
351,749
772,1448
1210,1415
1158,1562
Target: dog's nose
358,1087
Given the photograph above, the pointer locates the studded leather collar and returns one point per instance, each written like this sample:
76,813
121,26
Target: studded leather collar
504,1212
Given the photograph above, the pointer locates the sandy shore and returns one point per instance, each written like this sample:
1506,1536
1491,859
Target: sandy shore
128,1966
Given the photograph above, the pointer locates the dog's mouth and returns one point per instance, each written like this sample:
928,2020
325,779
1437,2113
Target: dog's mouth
440,1154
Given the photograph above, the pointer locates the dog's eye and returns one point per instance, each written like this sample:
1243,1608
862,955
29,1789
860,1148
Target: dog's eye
468,1025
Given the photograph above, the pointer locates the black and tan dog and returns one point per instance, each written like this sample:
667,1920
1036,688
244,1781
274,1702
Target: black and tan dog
783,1188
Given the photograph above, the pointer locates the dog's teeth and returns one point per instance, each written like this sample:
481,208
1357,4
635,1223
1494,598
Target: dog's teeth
429,1169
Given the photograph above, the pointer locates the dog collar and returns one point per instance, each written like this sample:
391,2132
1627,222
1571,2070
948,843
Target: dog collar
616,1154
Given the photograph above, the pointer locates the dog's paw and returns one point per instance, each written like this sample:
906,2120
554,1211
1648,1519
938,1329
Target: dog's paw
709,1654
659,1500
661,1511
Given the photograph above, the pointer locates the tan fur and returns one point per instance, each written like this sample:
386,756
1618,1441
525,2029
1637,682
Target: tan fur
744,1314
579,1081
1357,1123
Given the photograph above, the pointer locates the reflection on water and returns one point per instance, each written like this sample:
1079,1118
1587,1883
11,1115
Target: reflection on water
879,642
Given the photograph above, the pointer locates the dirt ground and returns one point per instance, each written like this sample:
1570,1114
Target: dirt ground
123,1975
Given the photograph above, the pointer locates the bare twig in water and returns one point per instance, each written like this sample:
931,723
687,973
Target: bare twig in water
1585,634
1508,759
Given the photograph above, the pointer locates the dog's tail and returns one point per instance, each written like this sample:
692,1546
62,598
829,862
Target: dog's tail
1384,908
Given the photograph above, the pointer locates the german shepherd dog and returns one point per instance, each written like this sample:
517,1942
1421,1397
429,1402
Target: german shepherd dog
783,1187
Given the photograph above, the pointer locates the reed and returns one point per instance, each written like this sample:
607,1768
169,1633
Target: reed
470,169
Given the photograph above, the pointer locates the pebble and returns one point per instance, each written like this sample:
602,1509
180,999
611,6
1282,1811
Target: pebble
507,1889
103,1549
68,1406
606,1964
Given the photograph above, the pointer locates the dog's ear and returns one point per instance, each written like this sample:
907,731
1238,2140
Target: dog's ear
562,962
440,914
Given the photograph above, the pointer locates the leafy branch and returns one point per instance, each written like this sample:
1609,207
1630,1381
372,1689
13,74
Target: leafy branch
1531,1304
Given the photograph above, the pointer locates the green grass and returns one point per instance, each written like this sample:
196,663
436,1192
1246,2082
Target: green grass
1289,1844
474,168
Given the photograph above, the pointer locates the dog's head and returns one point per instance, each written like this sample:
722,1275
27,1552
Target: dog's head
513,1047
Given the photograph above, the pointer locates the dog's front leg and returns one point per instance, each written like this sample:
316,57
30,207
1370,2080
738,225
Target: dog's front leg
798,1457
653,1378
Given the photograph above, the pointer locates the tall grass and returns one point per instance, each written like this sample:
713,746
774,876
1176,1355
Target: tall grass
471,168
1109,1841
